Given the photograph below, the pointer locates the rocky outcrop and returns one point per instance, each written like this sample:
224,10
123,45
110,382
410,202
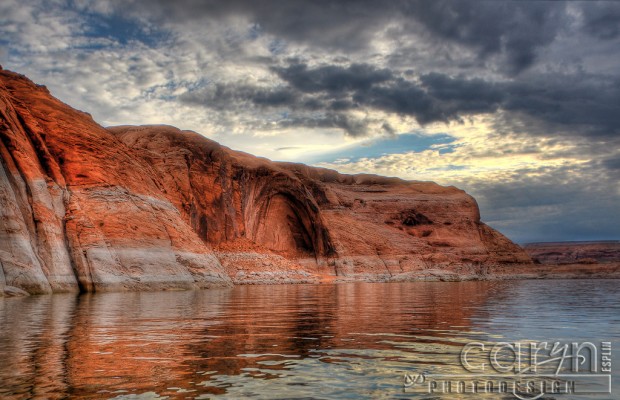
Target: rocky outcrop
261,215
153,207
574,252
80,211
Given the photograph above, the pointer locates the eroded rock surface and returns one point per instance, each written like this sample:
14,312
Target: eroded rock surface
153,207
80,210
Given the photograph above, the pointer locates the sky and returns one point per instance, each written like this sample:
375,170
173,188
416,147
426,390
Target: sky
518,103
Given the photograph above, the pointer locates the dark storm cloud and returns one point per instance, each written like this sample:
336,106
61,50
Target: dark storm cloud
331,78
479,94
402,97
508,37
611,166
360,85
576,105
516,30
584,105
462,96
353,127
226,97
612,163
344,24
587,106
519,29
602,20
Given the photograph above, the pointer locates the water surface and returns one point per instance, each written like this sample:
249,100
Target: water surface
289,341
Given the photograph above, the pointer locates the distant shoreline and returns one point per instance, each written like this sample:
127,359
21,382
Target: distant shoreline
583,252
459,274
569,242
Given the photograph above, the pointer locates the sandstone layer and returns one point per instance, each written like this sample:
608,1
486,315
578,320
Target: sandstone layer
152,207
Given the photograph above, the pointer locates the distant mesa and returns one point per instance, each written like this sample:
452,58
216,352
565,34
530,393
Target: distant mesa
596,252
153,207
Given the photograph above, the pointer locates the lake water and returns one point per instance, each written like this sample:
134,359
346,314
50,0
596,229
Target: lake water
291,341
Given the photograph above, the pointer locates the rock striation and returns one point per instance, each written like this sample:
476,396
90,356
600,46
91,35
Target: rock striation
152,207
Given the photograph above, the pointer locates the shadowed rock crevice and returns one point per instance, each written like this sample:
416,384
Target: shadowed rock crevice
282,222
413,218
284,216
282,226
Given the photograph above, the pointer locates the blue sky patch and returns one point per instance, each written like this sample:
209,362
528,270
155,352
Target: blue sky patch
123,30
398,144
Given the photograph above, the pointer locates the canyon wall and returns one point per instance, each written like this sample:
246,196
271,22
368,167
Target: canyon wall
152,207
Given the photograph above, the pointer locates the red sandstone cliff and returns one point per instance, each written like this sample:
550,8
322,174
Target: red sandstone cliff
80,209
153,207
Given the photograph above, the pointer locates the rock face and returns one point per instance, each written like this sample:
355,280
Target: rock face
153,207
574,252
80,210
261,215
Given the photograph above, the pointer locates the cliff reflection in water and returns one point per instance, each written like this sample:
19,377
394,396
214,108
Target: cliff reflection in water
261,341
